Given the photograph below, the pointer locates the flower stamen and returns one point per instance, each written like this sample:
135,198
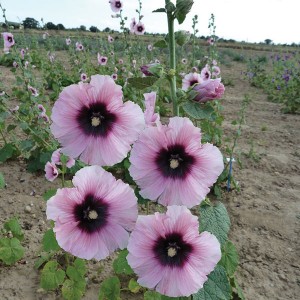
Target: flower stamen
172,251
96,121
92,215
174,163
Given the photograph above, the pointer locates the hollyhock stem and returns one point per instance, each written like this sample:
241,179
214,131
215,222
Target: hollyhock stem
172,54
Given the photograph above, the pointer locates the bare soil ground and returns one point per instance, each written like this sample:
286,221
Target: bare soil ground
265,213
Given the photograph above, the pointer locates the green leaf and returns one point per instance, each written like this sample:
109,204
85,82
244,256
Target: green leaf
110,289
120,264
150,295
49,241
198,111
215,220
238,291
170,7
26,145
15,228
133,286
142,82
7,152
10,127
230,258
48,194
159,10
160,44
181,37
52,277
43,259
2,181
77,271
216,287
11,250
72,290
183,7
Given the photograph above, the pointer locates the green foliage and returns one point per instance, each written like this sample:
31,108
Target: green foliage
11,250
52,276
230,258
161,44
110,289
133,286
198,111
142,83
14,227
120,264
214,219
183,7
49,241
151,295
8,151
216,287
2,181
48,194
72,290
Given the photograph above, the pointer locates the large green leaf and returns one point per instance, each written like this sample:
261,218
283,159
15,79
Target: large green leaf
198,111
7,151
77,271
52,277
110,289
216,287
11,250
73,290
215,220
141,83
120,264
160,44
15,228
183,7
49,241
230,258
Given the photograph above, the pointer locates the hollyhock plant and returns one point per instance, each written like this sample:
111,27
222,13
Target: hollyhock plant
68,41
102,60
216,71
150,47
33,91
91,121
9,41
209,90
114,76
190,79
169,255
94,218
83,77
22,52
151,118
116,5
79,46
41,108
139,28
51,171
205,73
56,159
170,165
132,25
110,39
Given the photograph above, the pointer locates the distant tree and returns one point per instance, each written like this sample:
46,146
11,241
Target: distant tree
30,23
60,26
82,28
107,29
268,41
94,29
51,26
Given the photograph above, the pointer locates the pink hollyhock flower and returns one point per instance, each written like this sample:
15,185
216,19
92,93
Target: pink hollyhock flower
41,108
55,159
22,52
116,5
139,28
45,35
51,171
33,91
68,41
79,46
151,118
114,77
170,165
216,71
93,219
15,64
209,90
169,255
214,62
121,61
184,61
26,64
190,79
110,39
210,41
205,73
194,69
9,41
150,47
43,116
83,77
102,60
157,61
132,25
90,120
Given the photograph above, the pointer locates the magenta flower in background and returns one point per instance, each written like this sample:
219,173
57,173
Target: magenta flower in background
121,61
190,79
150,47
93,219
43,116
116,5
51,171
83,77
210,41
132,25
9,41
151,118
170,165
205,73
169,255
41,108
33,91
68,41
110,39
79,46
55,159
216,71
15,64
139,28
22,52
114,77
91,121
209,90
102,60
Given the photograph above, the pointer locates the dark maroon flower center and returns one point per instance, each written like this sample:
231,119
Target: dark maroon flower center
140,28
96,120
91,214
174,162
194,82
118,4
103,60
172,250
9,38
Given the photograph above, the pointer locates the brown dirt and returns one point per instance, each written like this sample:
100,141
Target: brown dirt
264,214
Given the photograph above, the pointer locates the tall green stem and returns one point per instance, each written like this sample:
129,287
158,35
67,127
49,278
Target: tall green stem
172,53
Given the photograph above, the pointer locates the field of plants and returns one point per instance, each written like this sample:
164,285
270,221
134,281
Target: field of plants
148,167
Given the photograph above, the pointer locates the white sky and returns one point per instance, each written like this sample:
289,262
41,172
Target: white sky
241,20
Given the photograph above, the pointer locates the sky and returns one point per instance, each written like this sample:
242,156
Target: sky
241,20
